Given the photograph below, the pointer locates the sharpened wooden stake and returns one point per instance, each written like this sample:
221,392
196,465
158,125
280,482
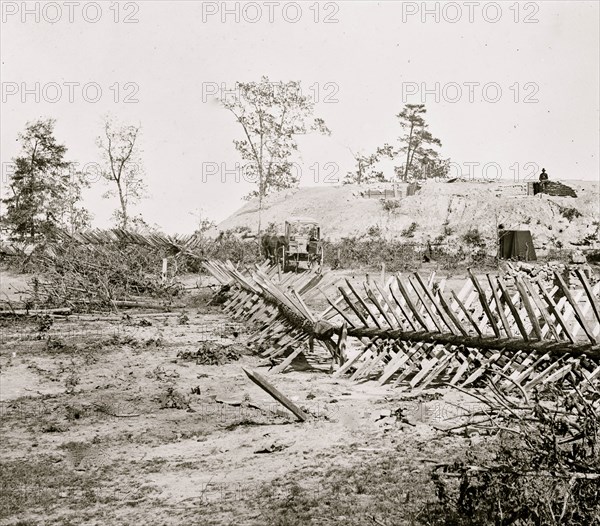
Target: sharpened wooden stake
262,382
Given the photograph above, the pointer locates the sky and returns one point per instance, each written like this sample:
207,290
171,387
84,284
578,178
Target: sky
509,87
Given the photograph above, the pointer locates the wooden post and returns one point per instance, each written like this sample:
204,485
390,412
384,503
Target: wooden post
383,273
165,265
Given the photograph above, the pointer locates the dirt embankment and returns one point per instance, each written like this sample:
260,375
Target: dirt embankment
445,211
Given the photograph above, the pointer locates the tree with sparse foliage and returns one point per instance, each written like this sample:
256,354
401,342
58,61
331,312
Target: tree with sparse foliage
44,190
75,217
272,116
366,167
421,159
124,171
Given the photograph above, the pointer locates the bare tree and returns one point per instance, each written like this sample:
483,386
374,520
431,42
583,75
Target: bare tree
120,149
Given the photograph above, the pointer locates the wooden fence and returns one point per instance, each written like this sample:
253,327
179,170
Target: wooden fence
412,332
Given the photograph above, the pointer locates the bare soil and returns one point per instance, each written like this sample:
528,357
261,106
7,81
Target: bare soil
115,420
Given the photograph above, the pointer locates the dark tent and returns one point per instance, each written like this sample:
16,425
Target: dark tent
516,244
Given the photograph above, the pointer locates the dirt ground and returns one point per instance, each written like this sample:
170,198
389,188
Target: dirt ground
148,418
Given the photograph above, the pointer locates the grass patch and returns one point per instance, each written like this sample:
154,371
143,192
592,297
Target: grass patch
392,489
30,486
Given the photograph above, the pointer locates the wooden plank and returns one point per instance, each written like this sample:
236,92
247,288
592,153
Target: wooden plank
466,362
262,382
426,365
499,307
442,366
451,314
440,310
353,307
383,352
375,302
484,303
485,367
410,304
578,314
555,310
363,303
528,307
466,313
366,353
391,306
463,293
402,356
402,309
337,309
341,343
283,365
541,375
538,303
426,306
34,312
513,309
590,294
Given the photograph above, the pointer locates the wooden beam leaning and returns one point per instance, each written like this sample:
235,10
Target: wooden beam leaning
265,385
484,303
588,290
440,310
578,314
513,309
499,307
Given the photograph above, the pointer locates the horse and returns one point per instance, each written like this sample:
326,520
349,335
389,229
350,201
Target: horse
272,247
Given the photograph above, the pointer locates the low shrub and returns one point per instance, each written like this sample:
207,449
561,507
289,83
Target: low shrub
473,237
569,213
410,230
391,206
542,468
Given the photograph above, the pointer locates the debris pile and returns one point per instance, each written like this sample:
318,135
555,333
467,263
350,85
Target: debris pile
99,277
212,353
545,445
546,272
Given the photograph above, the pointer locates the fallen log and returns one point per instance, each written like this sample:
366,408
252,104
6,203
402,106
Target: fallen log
501,344
144,305
35,312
